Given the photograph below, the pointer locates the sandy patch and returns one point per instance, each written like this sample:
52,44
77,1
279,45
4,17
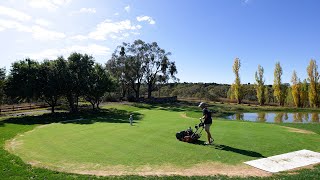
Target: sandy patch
204,169
290,129
184,115
12,144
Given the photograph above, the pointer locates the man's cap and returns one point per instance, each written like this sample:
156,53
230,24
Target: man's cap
202,104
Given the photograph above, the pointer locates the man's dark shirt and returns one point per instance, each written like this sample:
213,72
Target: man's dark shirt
207,120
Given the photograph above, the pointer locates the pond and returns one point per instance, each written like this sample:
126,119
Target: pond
277,117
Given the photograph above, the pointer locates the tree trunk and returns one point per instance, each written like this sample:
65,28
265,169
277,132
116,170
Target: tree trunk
92,103
52,109
149,90
71,103
138,91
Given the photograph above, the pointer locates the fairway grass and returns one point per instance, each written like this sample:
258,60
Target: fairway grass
149,145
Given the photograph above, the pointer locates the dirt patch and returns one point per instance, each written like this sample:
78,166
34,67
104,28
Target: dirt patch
290,129
184,115
204,169
12,144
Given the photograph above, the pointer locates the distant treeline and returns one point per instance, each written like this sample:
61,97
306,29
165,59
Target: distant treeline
80,78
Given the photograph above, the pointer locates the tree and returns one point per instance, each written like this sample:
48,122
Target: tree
156,62
99,83
236,86
313,78
22,80
117,68
78,72
134,67
304,93
279,90
296,89
49,83
2,83
260,88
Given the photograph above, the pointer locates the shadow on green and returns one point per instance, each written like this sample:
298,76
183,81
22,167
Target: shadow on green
230,149
82,117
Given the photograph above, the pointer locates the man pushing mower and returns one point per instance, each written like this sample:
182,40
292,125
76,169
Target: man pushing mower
191,136
207,121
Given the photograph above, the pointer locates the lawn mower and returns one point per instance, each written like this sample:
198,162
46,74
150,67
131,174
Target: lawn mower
189,135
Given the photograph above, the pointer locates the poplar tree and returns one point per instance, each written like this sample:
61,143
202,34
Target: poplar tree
279,90
296,88
260,88
313,78
236,86
304,93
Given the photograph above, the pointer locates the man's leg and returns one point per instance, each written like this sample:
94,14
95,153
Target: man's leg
207,129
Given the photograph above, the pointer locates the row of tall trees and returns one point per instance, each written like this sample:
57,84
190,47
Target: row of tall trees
300,93
71,78
137,63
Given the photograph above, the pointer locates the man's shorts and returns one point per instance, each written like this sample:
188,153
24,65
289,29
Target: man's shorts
207,127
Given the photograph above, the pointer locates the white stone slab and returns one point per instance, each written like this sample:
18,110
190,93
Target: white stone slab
288,161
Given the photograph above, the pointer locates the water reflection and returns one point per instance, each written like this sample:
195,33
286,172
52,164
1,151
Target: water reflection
315,117
278,117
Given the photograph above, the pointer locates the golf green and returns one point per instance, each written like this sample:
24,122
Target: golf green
150,142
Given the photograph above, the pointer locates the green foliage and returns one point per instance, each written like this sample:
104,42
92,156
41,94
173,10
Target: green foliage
304,93
279,90
155,62
289,101
260,88
49,84
99,83
313,78
22,81
2,84
296,89
236,86
132,64
52,79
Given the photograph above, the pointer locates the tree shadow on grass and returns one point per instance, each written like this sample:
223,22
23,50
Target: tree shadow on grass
82,117
231,149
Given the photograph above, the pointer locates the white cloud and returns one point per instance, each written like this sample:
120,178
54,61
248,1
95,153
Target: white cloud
146,18
37,32
48,4
40,33
127,8
10,24
135,33
43,22
88,10
79,37
91,49
105,28
84,10
116,14
18,15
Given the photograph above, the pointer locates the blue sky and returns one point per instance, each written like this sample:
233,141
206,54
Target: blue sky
204,36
